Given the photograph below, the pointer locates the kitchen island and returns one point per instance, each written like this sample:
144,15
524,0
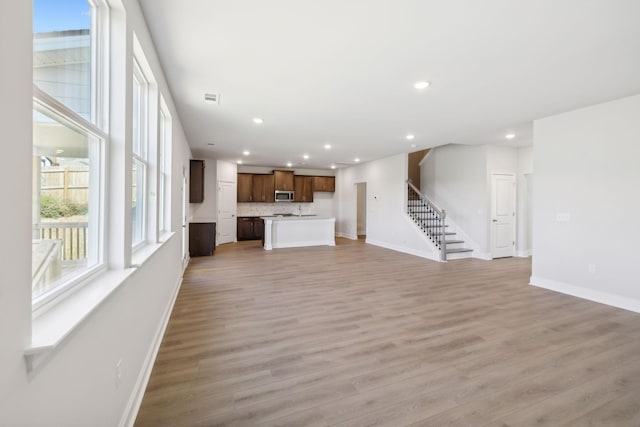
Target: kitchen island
298,230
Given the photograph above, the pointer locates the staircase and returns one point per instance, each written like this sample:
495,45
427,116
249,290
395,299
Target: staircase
431,221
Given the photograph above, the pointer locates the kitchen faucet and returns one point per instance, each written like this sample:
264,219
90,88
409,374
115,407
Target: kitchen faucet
299,210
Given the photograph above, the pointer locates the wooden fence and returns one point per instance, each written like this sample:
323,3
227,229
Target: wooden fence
66,183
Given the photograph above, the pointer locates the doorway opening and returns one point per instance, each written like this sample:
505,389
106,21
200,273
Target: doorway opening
361,210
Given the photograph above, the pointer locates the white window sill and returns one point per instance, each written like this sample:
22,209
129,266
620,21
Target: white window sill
50,328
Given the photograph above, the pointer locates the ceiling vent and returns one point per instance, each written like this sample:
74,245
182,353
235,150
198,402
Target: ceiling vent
212,97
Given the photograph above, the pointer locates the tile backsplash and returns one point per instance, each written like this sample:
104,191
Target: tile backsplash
265,209
322,205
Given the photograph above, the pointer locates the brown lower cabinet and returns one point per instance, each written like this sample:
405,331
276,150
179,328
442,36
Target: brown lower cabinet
250,228
202,238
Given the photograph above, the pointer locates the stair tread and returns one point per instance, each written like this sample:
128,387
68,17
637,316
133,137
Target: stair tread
453,241
454,251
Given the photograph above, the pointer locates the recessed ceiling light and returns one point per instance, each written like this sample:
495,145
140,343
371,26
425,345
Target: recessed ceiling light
306,157
289,164
510,135
421,85
410,136
356,160
333,166
246,152
258,120
239,162
327,146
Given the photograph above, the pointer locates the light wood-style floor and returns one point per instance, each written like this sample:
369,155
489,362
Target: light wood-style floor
358,335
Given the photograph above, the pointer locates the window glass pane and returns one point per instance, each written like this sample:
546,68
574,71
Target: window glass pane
137,116
138,202
62,45
64,162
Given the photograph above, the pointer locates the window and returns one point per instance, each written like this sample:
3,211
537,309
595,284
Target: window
164,182
140,158
68,146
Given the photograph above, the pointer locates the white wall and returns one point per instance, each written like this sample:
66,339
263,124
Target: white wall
387,222
207,211
455,177
586,165
75,385
458,179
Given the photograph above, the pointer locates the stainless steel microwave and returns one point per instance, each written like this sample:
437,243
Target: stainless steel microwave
284,196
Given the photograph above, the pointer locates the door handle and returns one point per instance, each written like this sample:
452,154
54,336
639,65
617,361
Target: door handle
494,220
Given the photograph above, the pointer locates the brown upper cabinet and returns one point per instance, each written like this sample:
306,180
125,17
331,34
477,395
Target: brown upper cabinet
245,187
196,181
324,183
303,191
263,188
284,180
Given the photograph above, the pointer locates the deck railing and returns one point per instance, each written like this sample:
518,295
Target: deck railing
73,236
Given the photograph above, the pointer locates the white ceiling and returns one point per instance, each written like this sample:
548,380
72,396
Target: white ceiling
342,71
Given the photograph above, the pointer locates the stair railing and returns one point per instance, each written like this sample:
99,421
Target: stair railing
428,217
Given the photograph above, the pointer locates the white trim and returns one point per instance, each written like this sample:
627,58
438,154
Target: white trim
403,249
135,399
52,327
588,294
524,254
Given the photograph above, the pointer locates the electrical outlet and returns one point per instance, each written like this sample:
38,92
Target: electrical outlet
591,268
118,373
563,217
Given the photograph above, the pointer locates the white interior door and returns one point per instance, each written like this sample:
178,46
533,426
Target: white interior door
226,212
503,215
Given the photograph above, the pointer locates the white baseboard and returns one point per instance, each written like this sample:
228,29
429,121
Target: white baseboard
588,294
422,254
135,400
524,254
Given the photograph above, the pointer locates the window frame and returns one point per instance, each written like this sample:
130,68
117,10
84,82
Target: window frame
71,119
164,169
141,157
96,127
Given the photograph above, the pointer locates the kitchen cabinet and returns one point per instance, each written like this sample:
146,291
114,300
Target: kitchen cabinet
263,188
303,188
250,228
283,180
245,187
324,183
202,238
196,181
